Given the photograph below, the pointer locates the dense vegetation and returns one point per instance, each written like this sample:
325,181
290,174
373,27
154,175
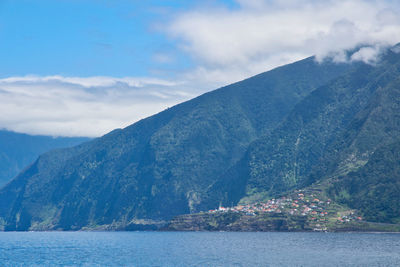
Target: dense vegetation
332,131
375,188
17,151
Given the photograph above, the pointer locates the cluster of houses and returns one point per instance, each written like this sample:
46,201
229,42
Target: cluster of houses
301,204
349,217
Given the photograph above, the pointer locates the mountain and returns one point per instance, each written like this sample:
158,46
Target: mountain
362,165
161,166
327,128
331,132
372,142
19,150
340,145
374,188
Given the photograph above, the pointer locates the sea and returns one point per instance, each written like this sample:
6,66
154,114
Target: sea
198,249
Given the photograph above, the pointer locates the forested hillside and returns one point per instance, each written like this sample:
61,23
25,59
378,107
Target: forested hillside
282,130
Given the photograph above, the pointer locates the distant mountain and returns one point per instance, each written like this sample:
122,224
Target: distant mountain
161,166
17,151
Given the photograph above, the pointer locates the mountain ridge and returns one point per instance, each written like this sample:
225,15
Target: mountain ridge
160,166
18,150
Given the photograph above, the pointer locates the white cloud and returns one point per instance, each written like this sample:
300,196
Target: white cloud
231,44
73,106
227,45
95,81
396,49
367,54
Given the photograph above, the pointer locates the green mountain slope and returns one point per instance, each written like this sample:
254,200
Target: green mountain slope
374,189
372,139
362,166
333,130
19,150
161,166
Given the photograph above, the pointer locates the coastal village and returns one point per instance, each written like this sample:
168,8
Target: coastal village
319,212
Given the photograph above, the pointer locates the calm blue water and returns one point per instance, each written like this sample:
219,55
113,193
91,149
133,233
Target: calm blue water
198,249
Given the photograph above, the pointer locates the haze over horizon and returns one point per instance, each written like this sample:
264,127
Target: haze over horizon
84,68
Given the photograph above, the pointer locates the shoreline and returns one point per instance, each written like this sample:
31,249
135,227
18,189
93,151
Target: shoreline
162,231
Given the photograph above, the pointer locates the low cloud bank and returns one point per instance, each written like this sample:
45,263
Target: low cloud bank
75,106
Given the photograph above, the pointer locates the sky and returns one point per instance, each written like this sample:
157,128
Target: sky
86,67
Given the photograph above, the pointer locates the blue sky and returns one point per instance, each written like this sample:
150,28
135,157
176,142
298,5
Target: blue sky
83,68
86,38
